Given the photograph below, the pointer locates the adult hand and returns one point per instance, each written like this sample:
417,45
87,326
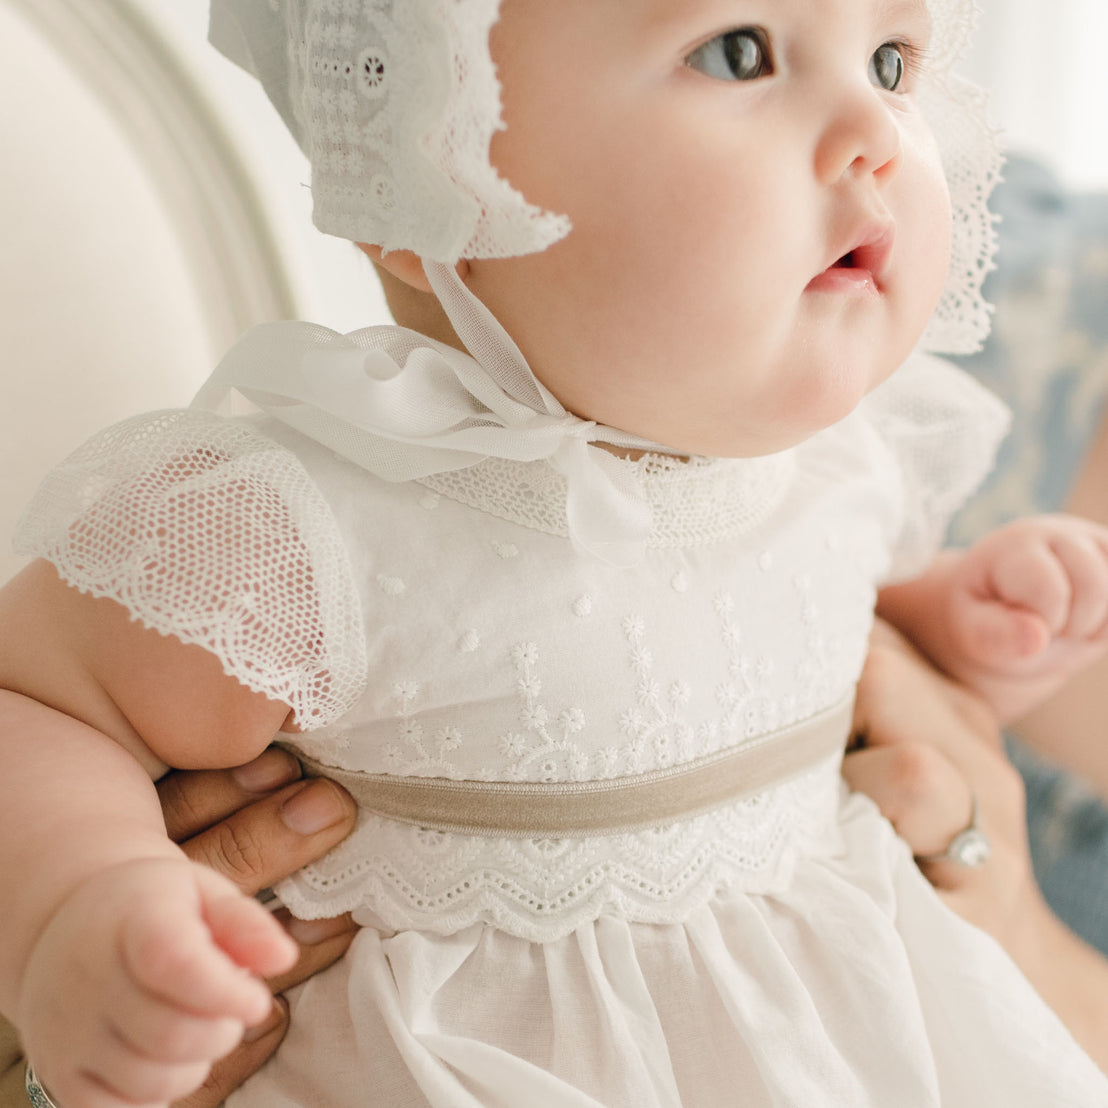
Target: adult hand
255,825
928,747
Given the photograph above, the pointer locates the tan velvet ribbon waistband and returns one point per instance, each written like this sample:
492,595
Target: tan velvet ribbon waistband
580,809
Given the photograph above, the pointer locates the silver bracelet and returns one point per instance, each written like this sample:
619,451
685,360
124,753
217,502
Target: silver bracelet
36,1094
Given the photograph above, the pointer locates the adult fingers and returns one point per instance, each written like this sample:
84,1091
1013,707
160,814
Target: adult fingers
229,1073
904,704
12,1079
918,789
271,838
902,699
192,801
322,942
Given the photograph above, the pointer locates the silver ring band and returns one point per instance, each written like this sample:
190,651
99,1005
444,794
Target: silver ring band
970,847
36,1094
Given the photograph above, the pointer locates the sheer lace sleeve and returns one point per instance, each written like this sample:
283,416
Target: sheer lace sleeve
943,429
206,530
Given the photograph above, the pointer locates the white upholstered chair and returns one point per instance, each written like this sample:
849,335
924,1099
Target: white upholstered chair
151,209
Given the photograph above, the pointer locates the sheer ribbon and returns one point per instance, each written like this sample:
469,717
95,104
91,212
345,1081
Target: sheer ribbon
404,406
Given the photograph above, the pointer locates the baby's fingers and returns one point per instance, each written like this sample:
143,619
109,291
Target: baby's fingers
249,934
172,956
1084,560
154,1029
1032,578
993,632
134,1082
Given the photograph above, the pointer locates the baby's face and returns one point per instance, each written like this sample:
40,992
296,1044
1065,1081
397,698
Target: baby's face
760,221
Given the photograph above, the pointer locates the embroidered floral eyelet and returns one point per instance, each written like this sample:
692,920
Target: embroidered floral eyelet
372,73
382,194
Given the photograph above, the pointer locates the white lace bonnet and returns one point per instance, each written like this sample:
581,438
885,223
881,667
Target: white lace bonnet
395,103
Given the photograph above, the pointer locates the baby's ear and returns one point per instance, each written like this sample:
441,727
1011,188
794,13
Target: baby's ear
408,292
404,265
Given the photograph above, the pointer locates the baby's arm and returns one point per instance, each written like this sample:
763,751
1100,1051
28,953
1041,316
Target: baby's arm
1016,614
126,968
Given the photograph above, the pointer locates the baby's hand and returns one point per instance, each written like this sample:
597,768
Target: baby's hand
1029,604
142,979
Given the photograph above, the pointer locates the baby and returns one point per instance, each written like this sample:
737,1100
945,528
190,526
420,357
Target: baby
570,586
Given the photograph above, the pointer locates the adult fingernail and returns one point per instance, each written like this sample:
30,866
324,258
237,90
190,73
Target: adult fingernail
276,1017
269,770
311,932
314,808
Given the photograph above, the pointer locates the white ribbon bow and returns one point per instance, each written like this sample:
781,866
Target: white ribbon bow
404,406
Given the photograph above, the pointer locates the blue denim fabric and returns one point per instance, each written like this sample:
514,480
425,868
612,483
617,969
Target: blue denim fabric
1047,357
1068,828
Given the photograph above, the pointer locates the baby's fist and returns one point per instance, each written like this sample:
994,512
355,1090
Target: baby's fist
142,979
1033,594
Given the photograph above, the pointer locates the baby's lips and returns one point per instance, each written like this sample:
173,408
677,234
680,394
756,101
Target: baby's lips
875,250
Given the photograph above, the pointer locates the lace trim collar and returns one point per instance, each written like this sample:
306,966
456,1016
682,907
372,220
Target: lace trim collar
693,503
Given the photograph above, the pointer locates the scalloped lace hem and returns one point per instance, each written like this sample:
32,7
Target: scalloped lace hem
400,877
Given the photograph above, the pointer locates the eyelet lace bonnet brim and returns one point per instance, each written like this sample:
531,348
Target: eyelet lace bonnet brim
395,103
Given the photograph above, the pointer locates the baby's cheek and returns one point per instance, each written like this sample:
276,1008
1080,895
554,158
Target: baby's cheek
926,226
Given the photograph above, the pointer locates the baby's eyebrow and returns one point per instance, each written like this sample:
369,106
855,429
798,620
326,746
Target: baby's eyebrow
913,11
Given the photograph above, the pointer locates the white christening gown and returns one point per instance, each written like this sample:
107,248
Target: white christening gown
780,949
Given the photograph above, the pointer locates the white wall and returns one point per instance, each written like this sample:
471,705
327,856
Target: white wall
1044,64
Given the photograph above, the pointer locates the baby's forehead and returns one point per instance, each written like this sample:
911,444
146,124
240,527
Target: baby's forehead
735,13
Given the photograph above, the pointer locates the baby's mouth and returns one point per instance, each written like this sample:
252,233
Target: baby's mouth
863,267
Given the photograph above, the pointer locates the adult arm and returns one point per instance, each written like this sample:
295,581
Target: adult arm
1072,727
928,748
255,825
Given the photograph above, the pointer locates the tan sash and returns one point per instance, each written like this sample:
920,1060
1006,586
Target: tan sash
578,809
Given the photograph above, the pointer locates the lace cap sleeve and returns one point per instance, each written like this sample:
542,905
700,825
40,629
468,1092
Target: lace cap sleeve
206,530
943,430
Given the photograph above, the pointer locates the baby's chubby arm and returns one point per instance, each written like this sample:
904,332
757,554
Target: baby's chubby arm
1015,615
127,969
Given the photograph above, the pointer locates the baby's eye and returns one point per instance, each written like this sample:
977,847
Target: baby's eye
886,67
741,55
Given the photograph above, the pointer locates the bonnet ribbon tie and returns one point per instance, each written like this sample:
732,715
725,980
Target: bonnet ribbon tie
404,406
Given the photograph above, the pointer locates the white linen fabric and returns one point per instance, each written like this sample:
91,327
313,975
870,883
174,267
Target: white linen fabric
853,987
781,948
